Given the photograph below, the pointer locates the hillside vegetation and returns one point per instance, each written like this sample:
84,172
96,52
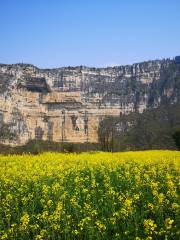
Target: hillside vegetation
154,129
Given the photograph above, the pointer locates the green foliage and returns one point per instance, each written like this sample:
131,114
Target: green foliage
40,146
152,129
102,196
176,136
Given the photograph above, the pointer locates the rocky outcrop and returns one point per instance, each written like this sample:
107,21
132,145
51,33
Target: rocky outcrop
67,104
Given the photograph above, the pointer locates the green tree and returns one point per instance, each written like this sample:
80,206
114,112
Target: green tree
176,137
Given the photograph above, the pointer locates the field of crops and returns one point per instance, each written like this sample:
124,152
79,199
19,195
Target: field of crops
131,195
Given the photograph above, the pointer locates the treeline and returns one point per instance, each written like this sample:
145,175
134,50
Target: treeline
154,129
39,146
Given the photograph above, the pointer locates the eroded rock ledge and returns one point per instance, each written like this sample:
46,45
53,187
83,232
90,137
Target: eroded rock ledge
67,104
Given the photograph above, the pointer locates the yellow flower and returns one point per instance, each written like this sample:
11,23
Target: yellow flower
136,197
149,226
128,203
49,203
161,198
45,189
168,223
175,206
170,184
150,206
155,193
75,232
149,238
101,226
54,195
117,235
154,185
25,221
4,236
39,237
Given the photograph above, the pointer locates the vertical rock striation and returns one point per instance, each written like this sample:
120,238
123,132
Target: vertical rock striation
67,104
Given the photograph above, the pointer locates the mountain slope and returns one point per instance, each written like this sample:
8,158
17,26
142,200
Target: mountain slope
67,104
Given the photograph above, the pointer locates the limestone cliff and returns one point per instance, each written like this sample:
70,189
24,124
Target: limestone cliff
67,104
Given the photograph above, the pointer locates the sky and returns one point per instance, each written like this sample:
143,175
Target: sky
98,33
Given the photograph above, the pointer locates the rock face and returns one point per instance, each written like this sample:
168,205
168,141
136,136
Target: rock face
67,104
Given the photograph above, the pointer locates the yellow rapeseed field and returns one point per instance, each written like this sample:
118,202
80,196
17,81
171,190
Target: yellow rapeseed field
132,195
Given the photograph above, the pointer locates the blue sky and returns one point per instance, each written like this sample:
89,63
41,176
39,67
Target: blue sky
54,33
